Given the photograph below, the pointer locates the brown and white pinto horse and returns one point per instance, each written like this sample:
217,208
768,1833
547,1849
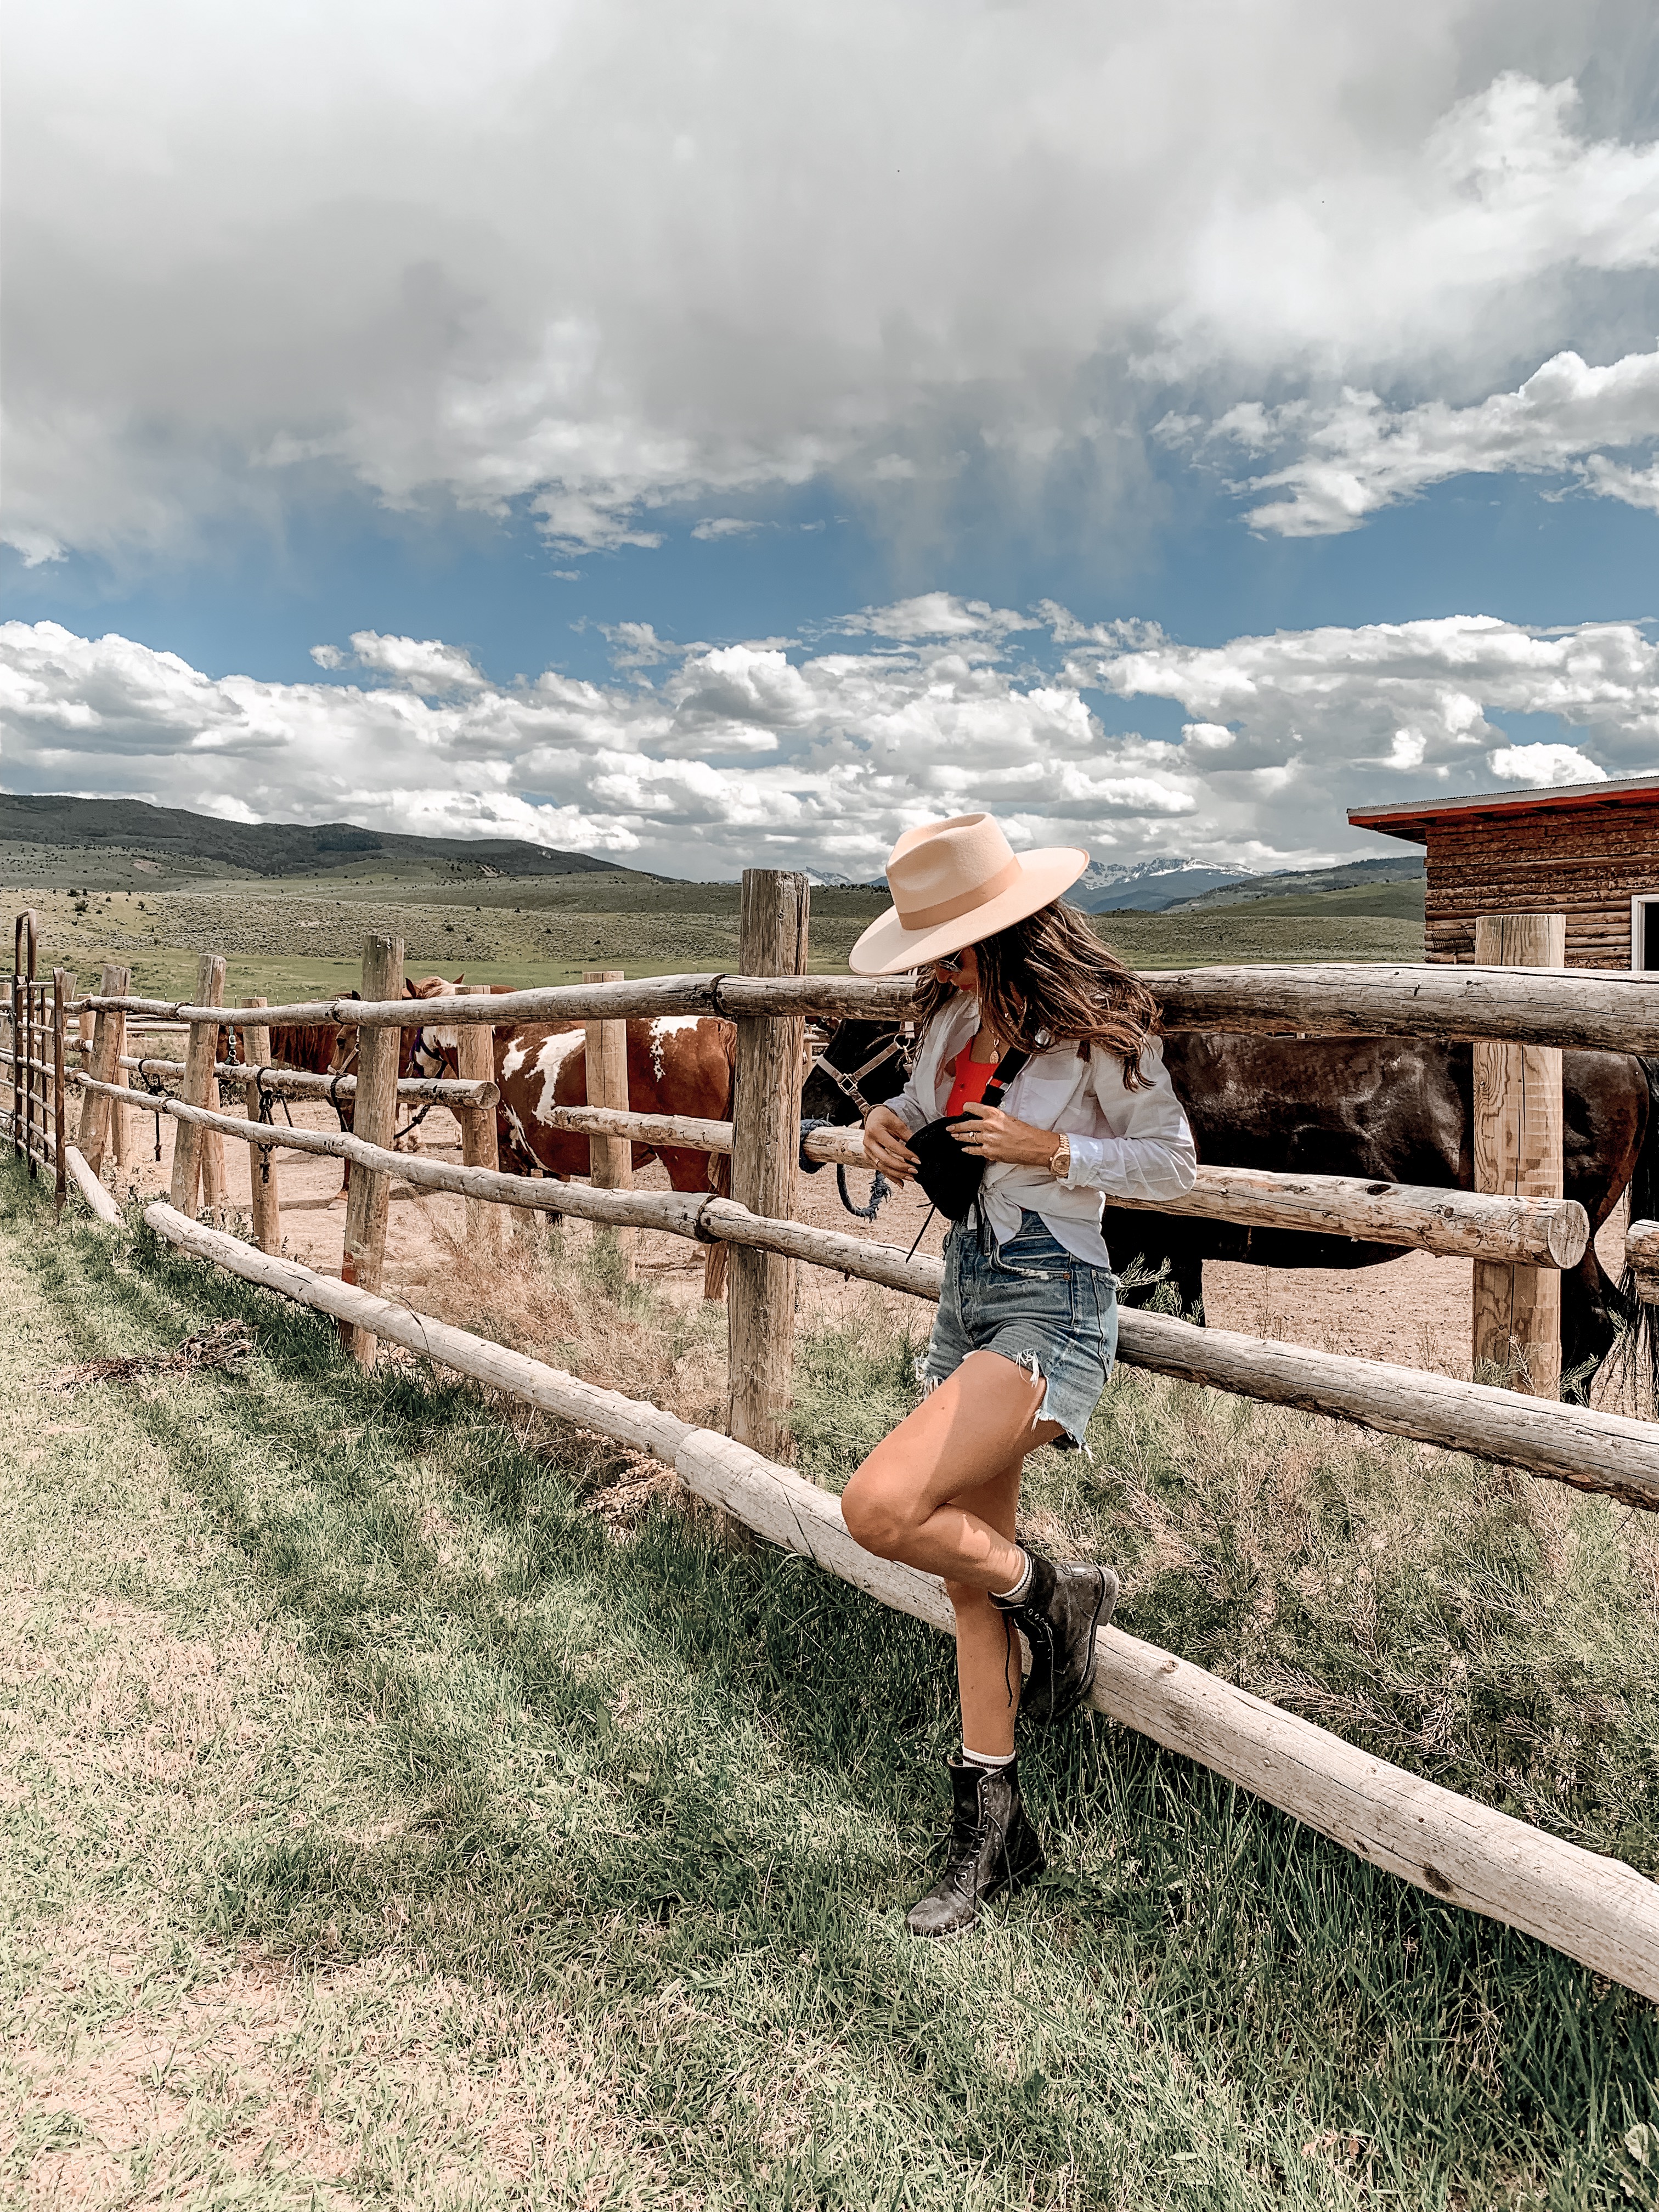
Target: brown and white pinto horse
680,1064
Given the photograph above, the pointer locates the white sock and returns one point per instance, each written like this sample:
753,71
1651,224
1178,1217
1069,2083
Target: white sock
1012,1596
991,1758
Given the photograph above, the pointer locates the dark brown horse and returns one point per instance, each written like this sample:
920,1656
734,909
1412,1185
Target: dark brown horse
1391,1110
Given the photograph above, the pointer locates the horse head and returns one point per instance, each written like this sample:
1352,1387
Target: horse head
343,1058
429,1051
862,1064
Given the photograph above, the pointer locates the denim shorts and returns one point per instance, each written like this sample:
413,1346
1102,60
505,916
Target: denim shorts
1032,1301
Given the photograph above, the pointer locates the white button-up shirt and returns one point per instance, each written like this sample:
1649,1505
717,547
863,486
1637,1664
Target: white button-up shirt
1124,1143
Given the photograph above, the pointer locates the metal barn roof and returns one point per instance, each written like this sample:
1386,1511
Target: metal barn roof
1410,820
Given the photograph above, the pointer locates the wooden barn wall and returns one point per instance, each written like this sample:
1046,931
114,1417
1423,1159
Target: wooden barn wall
1585,862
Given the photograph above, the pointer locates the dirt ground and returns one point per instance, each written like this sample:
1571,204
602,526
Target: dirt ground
1414,1311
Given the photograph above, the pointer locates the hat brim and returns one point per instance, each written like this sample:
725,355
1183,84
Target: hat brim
888,948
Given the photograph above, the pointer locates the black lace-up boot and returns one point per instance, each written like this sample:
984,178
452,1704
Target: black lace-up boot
1059,1613
992,1847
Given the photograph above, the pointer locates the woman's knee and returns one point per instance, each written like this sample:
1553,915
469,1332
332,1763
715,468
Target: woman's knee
875,1511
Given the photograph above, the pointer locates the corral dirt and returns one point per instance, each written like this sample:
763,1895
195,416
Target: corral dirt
1415,1311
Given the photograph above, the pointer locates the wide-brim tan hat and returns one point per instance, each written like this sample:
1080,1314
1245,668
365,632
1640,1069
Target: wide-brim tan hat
954,883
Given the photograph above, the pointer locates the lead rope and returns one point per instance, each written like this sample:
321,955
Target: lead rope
880,1189
262,1098
156,1088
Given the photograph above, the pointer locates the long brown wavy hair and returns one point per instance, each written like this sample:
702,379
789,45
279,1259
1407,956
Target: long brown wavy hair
1049,979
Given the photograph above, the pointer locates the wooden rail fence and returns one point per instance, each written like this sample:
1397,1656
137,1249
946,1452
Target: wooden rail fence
1594,1909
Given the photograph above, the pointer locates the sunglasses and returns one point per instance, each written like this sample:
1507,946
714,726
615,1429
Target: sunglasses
950,962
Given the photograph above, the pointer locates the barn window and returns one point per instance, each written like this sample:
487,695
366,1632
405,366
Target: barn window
1644,934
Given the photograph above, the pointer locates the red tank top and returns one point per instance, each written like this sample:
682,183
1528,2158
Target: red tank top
972,1080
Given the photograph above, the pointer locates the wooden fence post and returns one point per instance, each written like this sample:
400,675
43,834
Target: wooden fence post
266,1206
198,1088
26,937
474,1062
1518,1151
610,1159
375,1119
103,1061
63,990
117,1114
765,1153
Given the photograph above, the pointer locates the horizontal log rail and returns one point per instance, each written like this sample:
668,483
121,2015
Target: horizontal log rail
1578,1009
299,1083
1595,1910
832,997
1642,1258
1540,1232
1607,1452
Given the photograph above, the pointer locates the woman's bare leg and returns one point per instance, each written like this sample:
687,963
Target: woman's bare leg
940,1493
987,1654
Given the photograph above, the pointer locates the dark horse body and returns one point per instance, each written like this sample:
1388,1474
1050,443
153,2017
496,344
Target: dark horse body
1391,1110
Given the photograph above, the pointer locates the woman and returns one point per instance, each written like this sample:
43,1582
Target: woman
1027,1324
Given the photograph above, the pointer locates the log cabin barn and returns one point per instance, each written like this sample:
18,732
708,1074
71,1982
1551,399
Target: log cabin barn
1589,851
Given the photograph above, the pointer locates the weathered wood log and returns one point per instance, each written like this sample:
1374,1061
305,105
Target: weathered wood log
1518,1140
685,1130
1545,1232
731,997
265,1199
368,1191
1581,1008
1595,1910
772,940
297,1083
195,1157
475,1062
119,1135
610,1158
63,990
1642,1258
675,1212
1602,1452
25,993
101,1059
80,1175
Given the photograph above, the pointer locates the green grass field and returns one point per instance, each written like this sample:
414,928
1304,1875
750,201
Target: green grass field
288,941
390,1820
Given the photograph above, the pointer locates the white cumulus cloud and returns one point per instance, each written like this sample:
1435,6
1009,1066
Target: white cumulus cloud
426,665
1360,455
819,759
1546,764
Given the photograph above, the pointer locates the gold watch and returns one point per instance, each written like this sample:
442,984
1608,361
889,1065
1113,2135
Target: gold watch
1060,1161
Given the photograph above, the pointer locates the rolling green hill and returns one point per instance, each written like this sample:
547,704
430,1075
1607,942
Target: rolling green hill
1364,876
100,843
1394,902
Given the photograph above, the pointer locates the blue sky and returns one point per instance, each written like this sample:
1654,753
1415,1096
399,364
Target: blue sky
1512,547
745,434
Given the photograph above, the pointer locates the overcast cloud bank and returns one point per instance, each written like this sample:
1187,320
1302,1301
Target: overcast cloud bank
716,759
613,260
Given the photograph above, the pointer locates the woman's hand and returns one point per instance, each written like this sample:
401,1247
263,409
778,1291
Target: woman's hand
990,1134
886,1144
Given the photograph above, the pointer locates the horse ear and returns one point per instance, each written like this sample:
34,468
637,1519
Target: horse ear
353,995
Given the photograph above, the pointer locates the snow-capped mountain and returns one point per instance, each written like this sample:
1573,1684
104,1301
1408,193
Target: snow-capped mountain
1149,886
